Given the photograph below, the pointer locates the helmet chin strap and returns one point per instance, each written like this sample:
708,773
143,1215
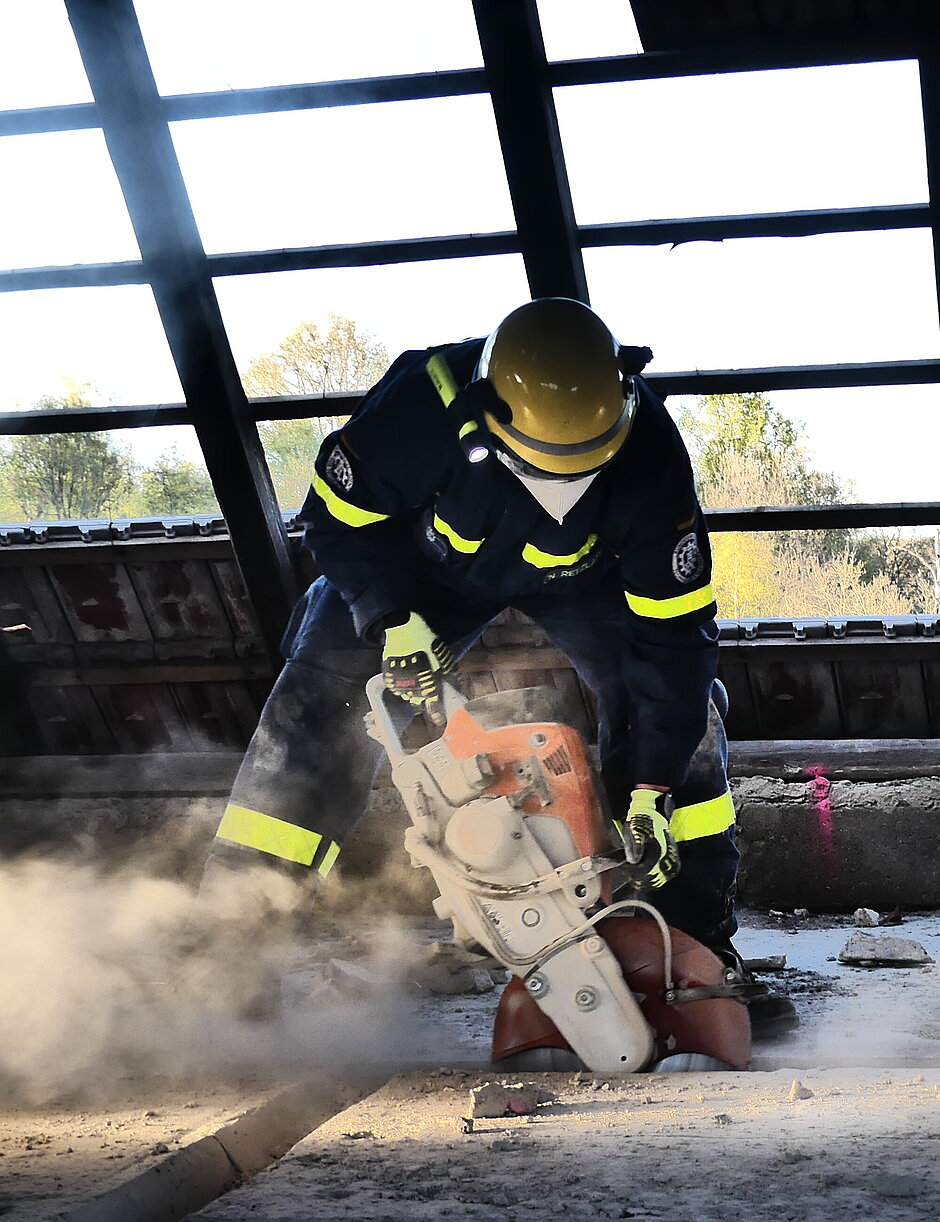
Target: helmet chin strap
557,497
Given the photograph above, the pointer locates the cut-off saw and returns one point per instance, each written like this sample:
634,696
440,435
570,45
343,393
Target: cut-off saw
506,813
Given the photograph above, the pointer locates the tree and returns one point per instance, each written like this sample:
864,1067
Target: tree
174,485
308,362
66,475
721,428
748,454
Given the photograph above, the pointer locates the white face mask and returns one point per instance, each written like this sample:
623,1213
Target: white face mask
557,497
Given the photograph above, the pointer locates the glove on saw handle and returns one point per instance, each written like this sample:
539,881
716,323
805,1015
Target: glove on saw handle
414,663
647,841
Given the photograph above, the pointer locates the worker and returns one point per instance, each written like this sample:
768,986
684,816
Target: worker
532,469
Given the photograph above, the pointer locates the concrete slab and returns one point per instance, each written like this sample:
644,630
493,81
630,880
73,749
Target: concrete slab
677,1146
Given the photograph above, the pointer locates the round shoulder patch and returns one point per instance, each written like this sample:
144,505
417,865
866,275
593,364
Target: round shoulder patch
687,560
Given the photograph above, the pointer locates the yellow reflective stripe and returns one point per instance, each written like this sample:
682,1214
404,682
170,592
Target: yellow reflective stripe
670,608
470,427
329,859
342,510
458,541
702,818
440,374
257,831
545,560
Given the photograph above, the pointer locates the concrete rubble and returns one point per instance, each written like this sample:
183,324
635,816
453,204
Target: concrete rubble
494,1099
868,951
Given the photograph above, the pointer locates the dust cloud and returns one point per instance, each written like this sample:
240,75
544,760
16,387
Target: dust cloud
114,976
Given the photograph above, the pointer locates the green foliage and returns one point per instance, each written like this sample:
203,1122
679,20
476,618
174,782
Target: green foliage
174,485
310,362
747,453
66,475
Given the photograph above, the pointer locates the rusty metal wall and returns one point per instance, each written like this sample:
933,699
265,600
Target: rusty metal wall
140,641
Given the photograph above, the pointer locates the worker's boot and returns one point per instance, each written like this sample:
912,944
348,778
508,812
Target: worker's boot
771,1013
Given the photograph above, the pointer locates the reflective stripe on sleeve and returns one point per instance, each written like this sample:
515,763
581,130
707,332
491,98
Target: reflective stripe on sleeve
670,608
440,374
269,835
545,560
702,818
457,541
343,511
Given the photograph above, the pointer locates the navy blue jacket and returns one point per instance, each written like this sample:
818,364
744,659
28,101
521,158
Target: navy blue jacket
394,492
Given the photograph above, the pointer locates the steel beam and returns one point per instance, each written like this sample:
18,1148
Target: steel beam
713,61
930,97
461,82
138,138
802,224
514,55
823,517
797,377
464,246
341,403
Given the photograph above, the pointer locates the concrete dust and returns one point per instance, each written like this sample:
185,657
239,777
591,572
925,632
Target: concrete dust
110,942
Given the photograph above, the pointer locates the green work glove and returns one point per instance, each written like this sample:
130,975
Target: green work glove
647,840
414,663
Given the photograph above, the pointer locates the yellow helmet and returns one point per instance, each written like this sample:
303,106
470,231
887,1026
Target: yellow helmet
555,366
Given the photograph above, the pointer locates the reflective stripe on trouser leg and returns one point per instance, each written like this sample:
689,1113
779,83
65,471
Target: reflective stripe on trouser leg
254,830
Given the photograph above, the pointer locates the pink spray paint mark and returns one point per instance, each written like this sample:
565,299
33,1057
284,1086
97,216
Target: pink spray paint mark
820,788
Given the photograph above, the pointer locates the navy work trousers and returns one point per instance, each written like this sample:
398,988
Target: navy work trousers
311,764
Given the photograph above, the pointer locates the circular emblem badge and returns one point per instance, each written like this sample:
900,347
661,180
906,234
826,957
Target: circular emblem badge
687,560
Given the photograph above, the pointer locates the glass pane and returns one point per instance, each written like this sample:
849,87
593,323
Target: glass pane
67,206
772,301
358,173
39,61
866,443
402,306
204,45
290,446
824,574
833,137
106,345
104,476
588,29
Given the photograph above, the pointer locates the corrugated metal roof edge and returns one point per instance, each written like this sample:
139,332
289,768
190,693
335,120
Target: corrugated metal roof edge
123,530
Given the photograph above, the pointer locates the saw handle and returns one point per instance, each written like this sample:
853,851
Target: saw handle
385,731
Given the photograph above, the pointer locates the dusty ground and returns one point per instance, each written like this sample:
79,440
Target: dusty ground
674,1146
54,1158
866,1141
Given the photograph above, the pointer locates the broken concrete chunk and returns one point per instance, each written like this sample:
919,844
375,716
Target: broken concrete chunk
770,963
352,977
868,951
866,918
494,1099
799,1091
450,969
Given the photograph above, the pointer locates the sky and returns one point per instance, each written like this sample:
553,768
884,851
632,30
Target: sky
808,138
